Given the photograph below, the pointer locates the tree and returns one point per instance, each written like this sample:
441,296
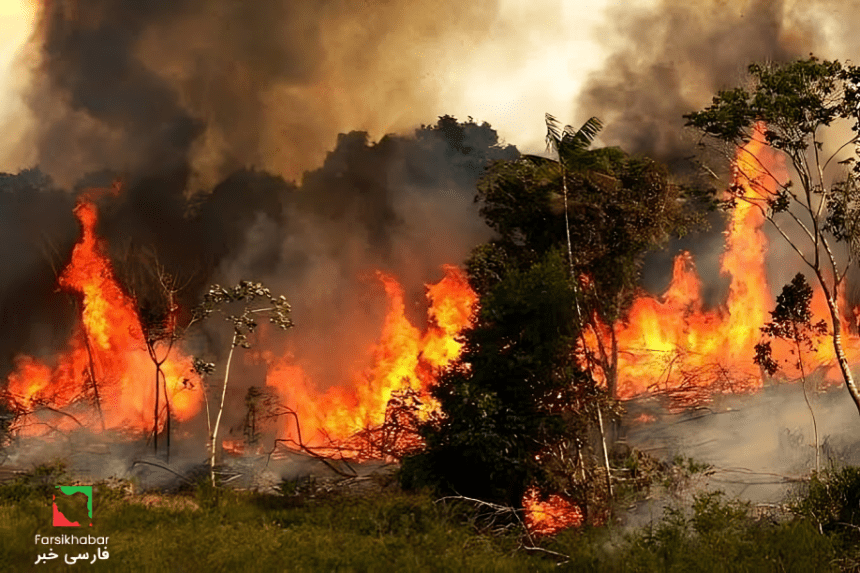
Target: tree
519,409
613,208
794,107
515,394
570,147
791,320
155,292
218,299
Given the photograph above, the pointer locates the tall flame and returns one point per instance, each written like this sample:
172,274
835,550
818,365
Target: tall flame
404,358
672,343
108,348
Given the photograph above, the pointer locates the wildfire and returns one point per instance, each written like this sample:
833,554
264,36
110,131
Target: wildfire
107,362
404,359
671,344
550,516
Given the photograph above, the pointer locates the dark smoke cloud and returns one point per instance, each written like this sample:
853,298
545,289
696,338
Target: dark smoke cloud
207,109
403,205
139,87
671,59
36,235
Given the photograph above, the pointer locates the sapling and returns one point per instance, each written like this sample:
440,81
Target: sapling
218,299
791,321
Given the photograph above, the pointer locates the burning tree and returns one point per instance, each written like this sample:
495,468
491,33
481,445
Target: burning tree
155,293
606,207
514,394
790,109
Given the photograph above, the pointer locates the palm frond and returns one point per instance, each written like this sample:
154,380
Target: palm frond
568,141
554,133
584,136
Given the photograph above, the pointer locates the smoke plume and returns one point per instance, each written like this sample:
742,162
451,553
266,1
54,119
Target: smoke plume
143,87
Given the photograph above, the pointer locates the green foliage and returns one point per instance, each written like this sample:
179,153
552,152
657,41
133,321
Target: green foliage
517,409
713,534
794,105
512,394
248,531
794,100
569,144
260,533
612,206
832,500
245,323
791,320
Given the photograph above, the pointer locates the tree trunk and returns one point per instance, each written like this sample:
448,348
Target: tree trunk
840,353
612,377
220,412
155,414
605,452
167,411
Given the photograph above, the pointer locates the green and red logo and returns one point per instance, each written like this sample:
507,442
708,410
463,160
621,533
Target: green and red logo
69,509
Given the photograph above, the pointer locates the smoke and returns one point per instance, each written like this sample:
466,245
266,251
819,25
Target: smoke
759,446
207,111
670,59
403,205
142,87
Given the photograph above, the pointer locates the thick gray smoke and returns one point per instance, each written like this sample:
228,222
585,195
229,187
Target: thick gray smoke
671,58
205,111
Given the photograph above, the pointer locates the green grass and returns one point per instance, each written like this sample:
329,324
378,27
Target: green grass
241,531
211,530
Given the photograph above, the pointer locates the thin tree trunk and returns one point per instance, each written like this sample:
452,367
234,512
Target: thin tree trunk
567,220
93,379
612,378
220,412
155,414
806,398
605,451
840,352
167,408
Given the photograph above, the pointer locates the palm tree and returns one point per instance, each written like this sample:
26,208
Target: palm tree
570,146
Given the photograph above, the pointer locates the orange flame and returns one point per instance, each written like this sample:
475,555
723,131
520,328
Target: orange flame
550,516
403,359
670,343
108,346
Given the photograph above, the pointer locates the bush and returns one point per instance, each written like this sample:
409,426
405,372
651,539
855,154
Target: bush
831,503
